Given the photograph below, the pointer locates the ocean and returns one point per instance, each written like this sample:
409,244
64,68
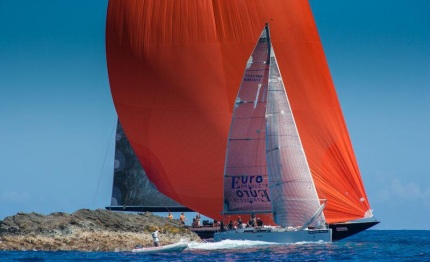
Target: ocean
370,245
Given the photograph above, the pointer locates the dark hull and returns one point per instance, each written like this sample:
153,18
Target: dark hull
204,232
339,230
343,230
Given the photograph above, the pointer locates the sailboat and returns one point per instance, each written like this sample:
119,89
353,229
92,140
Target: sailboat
175,70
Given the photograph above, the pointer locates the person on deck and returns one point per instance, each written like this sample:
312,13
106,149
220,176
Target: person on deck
239,222
198,220
230,225
252,221
221,225
182,218
155,238
259,222
170,216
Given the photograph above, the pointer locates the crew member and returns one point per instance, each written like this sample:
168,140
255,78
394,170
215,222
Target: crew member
155,238
259,222
239,222
182,218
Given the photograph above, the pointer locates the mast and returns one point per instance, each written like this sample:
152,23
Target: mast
269,44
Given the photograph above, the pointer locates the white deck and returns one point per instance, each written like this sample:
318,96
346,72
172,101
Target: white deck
276,235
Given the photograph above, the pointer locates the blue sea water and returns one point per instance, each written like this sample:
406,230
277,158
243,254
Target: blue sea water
370,245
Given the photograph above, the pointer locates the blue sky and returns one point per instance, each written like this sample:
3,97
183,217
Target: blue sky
57,114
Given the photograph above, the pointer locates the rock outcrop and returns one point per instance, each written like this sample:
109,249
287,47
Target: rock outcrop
88,230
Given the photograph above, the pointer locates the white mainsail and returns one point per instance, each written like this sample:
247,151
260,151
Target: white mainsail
245,175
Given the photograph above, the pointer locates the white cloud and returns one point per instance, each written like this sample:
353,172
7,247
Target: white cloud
408,190
395,189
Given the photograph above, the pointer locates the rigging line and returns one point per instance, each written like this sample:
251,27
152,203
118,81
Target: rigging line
104,162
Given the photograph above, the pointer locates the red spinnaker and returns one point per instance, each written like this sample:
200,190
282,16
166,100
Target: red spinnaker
174,70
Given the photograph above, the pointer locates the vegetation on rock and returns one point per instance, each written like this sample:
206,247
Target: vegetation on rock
88,230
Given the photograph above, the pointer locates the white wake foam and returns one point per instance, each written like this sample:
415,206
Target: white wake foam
228,244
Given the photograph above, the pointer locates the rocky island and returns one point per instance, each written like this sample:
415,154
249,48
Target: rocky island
88,230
